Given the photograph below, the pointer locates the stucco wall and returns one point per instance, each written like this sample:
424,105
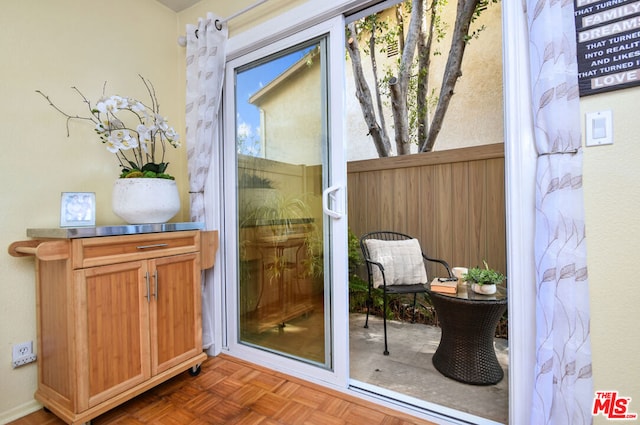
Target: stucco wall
291,116
475,114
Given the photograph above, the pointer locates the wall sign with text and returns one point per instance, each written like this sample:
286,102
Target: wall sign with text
608,38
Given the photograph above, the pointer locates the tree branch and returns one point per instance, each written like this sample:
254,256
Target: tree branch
464,15
399,87
69,117
380,140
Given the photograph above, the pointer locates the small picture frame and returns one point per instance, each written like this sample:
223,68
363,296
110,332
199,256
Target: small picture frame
77,209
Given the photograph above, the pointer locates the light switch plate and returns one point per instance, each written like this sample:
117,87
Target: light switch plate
599,128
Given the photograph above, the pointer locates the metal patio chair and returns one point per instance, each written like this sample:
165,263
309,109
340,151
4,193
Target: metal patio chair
395,262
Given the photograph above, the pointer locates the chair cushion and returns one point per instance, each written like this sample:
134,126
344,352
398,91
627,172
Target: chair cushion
402,261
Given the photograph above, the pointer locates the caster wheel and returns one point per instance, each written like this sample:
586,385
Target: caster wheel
195,370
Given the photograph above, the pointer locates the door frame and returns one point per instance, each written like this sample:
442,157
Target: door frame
336,270
520,198
520,178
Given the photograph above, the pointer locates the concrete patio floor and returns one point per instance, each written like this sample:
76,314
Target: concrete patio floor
408,369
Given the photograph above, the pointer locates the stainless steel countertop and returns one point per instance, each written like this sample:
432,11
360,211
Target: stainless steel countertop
125,229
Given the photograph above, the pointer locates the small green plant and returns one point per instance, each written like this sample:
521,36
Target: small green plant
358,287
483,276
354,253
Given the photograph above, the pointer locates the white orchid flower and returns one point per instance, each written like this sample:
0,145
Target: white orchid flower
124,124
128,141
109,105
144,145
161,122
137,106
172,137
102,126
113,144
121,102
144,132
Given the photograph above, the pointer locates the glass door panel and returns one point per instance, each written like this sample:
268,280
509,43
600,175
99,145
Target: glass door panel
281,141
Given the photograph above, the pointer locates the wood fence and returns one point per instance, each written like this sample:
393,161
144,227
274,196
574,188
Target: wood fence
452,201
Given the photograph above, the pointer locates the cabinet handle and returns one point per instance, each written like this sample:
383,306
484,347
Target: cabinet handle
146,278
155,245
155,278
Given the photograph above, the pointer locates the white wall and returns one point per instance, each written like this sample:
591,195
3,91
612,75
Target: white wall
51,46
612,202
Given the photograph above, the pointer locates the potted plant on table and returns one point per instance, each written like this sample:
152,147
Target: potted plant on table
483,280
138,135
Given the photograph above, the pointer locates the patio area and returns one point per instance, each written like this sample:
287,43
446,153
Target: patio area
408,369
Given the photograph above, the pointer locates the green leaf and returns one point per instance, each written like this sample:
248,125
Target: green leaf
483,276
156,168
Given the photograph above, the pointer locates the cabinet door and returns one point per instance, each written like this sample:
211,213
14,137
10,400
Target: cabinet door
176,326
113,325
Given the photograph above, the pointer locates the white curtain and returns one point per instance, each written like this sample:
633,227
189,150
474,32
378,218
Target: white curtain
563,392
206,45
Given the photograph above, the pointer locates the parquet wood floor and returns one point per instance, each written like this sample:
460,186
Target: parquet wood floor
231,391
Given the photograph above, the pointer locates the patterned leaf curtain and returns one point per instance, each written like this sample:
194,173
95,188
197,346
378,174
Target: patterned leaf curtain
206,45
563,391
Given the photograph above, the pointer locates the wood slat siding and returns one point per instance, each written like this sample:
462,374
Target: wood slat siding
401,193
452,201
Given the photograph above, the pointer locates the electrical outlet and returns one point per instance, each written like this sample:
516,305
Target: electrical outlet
23,354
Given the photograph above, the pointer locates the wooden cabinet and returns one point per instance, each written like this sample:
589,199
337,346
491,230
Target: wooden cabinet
117,315
275,286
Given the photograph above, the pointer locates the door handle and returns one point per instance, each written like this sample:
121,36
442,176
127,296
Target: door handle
155,245
146,278
329,198
155,284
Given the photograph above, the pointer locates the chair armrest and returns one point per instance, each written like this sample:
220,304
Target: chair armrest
436,260
370,272
380,266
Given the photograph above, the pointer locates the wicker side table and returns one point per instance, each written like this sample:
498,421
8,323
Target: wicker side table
468,323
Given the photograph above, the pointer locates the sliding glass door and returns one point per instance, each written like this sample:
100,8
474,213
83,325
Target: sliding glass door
286,176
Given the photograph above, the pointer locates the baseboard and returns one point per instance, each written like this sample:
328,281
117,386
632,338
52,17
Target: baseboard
19,411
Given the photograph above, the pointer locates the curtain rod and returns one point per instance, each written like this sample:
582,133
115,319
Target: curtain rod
242,12
182,40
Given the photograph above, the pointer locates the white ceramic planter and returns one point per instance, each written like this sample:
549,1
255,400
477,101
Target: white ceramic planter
483,289
143,200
